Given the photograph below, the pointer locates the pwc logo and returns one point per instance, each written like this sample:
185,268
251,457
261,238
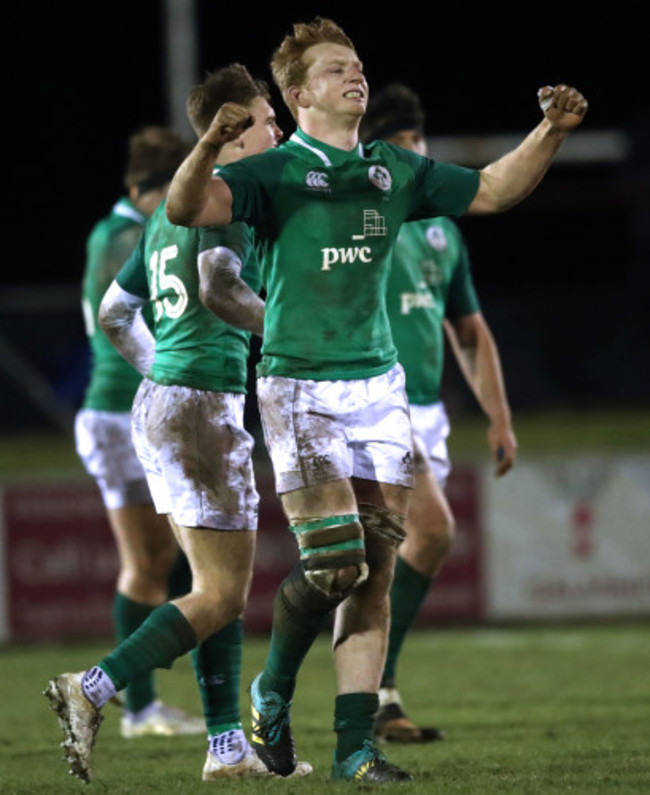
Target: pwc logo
374,225
349,254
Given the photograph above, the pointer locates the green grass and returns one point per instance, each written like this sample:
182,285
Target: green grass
525,710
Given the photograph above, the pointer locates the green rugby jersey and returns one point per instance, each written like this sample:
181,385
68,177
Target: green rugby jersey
430,279
194,347
113,381
327,220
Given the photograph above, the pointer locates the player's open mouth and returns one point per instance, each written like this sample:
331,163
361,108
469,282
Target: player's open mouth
353,95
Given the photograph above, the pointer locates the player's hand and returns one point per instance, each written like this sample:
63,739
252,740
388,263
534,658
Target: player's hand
563,106
503,445
229,123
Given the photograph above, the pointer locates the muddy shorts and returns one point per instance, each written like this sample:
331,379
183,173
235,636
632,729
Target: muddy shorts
320,431
103,440
430,432
196,455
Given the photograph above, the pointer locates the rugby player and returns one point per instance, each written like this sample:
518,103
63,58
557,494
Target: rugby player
151,566
189,435
330,389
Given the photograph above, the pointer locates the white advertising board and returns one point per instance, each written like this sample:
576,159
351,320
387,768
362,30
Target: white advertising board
569,537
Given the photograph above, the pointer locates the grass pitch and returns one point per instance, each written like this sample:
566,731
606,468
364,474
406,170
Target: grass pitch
539,710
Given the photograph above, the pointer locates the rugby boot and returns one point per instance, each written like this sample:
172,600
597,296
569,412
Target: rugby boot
271,731
392,724
230,756
79,719
160,720
368,766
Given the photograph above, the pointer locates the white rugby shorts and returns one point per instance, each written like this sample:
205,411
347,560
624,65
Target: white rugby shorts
197,455
103,441
320,431
430,431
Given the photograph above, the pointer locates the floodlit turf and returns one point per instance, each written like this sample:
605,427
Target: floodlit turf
525,710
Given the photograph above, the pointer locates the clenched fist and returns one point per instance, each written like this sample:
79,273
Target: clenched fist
229,123
563,106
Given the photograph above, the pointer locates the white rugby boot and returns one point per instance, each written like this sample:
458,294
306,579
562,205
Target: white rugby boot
79,719
230,756
160,720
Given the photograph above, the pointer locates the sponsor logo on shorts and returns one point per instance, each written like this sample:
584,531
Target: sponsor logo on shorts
407,463
320,461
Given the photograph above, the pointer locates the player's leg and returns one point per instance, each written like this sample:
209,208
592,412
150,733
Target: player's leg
361,636
332,561
221,563
311,465
147,552
383,478
429,528
307,429
146,549
429,534
198,430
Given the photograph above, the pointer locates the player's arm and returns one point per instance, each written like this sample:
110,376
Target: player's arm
195,197
224,292
120,312
514,176
120,318
478,358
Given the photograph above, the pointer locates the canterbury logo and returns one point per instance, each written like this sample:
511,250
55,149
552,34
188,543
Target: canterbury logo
317,180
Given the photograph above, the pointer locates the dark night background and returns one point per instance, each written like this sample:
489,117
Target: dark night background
563,278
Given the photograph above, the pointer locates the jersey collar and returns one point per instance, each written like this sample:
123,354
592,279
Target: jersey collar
329,155
127,209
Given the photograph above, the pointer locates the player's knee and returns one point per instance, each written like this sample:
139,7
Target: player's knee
438,535
383,526
332,554
338,582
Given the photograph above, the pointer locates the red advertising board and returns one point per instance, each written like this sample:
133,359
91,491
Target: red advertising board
458,594
61,561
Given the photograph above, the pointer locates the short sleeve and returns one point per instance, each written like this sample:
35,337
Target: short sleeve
133,275
462,298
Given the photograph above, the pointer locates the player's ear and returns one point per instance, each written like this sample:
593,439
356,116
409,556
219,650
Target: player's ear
297,96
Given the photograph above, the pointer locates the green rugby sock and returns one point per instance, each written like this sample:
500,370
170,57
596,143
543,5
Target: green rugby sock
299,614
354,715
163,637
408,591
128,615
217,665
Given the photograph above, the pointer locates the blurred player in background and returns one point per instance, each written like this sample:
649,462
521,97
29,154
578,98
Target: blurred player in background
330,389
151,565
430,287
189,435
